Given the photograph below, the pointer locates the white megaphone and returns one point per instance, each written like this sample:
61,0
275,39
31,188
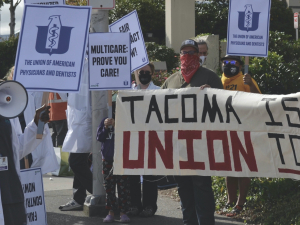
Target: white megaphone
13,99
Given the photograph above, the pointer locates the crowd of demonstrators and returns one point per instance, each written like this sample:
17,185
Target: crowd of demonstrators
78,142
233,79
106,135
196,195
14,146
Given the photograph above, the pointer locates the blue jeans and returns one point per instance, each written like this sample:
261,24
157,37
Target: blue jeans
197,200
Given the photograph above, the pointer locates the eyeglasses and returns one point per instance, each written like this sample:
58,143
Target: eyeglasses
188,52
146,72
232,62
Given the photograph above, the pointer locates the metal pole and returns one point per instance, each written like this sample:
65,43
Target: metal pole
99,23
296,34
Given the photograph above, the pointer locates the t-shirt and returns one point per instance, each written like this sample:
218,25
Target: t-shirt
201,77
10,184
236,83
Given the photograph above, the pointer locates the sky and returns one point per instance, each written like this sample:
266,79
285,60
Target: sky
5,18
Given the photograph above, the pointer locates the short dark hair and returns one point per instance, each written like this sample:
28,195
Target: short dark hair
151,65
202,42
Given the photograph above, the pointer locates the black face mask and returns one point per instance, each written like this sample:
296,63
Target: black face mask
145,77
230,70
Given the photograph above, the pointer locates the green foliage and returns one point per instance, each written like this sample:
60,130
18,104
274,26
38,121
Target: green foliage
269,201
212,17
8,49
76,2
162,53
151,15
279,72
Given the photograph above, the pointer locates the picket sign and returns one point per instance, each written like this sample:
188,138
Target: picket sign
45,2
207,132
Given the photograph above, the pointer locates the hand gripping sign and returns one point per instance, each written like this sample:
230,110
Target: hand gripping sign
51,48
109,61
248,28
130,23
207,132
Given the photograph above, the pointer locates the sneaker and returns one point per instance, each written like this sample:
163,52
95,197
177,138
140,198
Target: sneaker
124,219
71,205
236,210
108,219
147,212
133,211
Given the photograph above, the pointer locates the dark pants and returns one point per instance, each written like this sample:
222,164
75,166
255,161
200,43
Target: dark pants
109,182
197,200
83,177
14,214
149,192
60,129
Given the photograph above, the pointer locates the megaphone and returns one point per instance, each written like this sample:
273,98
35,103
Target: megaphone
13,99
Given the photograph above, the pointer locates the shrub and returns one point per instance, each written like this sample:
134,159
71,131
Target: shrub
8,49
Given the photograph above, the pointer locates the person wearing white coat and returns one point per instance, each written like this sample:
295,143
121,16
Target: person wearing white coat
15,145
78,142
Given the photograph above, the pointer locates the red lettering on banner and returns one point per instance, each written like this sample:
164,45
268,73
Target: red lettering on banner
165,154
238,148
133,164
189,136
218,135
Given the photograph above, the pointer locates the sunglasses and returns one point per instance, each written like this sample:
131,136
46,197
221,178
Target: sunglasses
142,72
188,52
232,62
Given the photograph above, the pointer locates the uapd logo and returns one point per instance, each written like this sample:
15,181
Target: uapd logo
248,20
54,38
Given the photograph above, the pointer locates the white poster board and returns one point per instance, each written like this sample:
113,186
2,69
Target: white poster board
45,2
109,61
130,23
52,47
248,28
33,189
208,132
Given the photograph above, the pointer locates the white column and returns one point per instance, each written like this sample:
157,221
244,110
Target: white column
180,22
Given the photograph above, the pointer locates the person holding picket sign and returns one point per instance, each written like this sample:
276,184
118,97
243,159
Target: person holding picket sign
106,135
196,195
233,79
148,206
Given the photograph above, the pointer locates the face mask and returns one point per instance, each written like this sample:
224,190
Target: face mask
230,70
189,65
202,59
145,77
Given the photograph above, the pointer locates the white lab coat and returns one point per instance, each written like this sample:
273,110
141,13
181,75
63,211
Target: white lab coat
79,116
22,145
43,156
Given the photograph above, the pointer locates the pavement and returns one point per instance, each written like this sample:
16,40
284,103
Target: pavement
58,191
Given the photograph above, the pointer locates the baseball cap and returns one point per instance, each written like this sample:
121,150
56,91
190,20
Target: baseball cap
234,57
191,43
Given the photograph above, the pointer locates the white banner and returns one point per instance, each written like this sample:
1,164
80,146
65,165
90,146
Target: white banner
109,61
207,132
45,2
33,189
130,23
248,27
52,47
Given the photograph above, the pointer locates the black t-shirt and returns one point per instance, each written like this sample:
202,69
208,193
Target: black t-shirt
10,184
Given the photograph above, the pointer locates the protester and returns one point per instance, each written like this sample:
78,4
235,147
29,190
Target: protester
58,118
148,206
233,79
105,134
78,142
203,51
15,145
43,156
196,195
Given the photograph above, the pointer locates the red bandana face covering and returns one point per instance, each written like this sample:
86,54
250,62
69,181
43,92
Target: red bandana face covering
189,66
